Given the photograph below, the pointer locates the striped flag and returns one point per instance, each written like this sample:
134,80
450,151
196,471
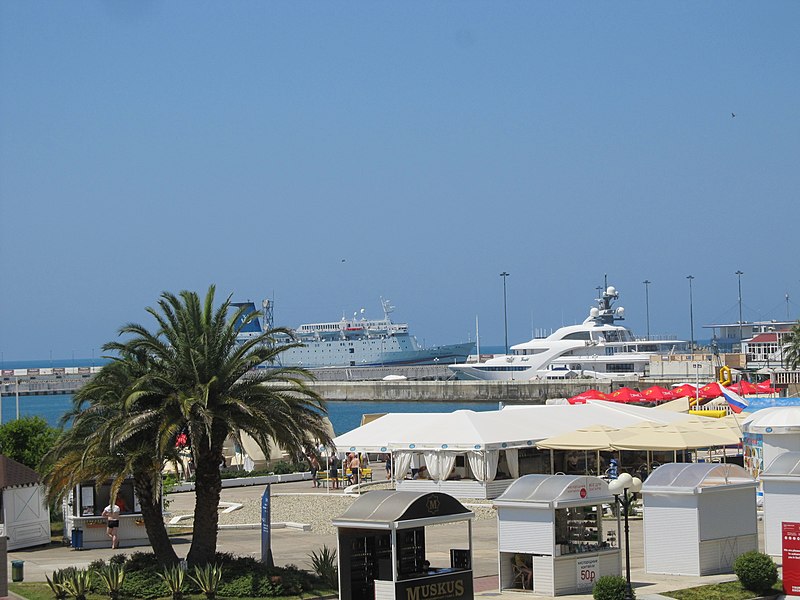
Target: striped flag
735,401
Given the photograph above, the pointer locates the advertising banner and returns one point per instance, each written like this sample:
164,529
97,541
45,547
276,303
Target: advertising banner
266,540
452,586
587,572
791,557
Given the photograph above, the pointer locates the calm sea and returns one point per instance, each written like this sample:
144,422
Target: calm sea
343,415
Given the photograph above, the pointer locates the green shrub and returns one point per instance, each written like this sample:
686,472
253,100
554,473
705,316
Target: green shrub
326,566
756,571
143,584
610,587
113,577
208,579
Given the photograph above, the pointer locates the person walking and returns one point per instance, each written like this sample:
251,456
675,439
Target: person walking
333,473
312,459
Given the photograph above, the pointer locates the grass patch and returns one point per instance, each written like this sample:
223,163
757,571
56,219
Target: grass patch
40,591
731,590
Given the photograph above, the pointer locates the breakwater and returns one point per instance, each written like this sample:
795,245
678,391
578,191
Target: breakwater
507,392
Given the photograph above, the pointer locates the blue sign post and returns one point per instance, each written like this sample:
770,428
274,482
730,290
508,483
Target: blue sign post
266,541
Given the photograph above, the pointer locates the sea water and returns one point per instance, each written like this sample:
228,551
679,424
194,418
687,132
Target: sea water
344,416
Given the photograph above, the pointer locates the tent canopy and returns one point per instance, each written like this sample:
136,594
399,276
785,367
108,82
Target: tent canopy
512,427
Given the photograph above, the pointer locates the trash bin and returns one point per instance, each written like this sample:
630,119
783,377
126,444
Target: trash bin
17,570
77,539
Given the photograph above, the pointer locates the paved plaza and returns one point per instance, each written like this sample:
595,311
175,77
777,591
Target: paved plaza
293,546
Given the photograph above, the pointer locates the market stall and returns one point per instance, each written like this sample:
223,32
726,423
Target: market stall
552,527
781,485
698,518
25,517
84,524
382,552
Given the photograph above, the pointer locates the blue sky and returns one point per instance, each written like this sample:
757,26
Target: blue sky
327,154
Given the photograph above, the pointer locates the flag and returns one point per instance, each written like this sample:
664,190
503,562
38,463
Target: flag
735,401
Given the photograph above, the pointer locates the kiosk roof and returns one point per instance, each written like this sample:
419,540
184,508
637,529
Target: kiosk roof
692,478
785,465
555,490
381,509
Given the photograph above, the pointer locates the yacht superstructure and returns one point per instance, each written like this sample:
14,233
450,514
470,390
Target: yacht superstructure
598,348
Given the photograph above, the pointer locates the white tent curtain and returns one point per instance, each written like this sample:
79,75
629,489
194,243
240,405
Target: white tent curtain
440,463
401,462
512,458
483,464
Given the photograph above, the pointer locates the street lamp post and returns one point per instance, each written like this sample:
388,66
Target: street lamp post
625,489
505,309
739,275
691,310
647,283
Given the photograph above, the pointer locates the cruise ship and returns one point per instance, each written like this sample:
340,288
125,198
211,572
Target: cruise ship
597,348
356,342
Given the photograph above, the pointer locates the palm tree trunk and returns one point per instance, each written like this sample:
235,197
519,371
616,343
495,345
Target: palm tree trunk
208,485
153,517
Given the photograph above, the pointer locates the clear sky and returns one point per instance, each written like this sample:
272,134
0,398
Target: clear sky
326,154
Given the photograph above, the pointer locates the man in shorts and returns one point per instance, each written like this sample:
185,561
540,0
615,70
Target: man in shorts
111,513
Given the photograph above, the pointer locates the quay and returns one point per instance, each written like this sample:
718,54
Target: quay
423,384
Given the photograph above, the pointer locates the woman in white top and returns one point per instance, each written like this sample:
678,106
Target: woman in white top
111,513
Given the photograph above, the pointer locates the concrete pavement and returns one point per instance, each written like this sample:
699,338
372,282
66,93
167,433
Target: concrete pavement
293,546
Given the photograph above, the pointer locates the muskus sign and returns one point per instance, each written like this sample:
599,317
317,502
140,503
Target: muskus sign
452,586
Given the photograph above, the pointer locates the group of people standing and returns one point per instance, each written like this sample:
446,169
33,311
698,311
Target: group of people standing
351,469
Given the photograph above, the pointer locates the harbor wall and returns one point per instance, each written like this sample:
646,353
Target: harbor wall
507,392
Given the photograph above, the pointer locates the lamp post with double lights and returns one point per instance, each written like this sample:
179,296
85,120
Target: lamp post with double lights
505,310
647,283
691,309
624,488
739,275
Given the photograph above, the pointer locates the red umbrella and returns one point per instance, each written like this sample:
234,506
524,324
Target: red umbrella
626,394
684,390
765,388
710,390
743,388
658,394
587,395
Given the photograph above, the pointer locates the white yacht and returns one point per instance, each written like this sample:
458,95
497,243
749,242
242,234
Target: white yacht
597,348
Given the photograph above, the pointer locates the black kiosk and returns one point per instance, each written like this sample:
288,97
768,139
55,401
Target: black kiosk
382,554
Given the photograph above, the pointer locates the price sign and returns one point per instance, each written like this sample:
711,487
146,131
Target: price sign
791,557
587,572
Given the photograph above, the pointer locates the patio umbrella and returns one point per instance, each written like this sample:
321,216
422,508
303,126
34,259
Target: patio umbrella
710,390
591,394
626,394
765,388
744,387
686,389
658,394
674,436
594,437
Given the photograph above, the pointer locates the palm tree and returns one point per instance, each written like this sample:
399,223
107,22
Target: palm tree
791,349
100,446
201,379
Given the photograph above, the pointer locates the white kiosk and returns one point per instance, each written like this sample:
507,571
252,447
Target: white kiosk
698,518
768,433
552,525
781,483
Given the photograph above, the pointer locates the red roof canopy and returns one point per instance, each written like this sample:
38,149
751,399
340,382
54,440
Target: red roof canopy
626,394
744,387
587,395
684,390
657,393
710,390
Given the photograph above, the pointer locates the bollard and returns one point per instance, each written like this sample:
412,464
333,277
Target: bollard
17,570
